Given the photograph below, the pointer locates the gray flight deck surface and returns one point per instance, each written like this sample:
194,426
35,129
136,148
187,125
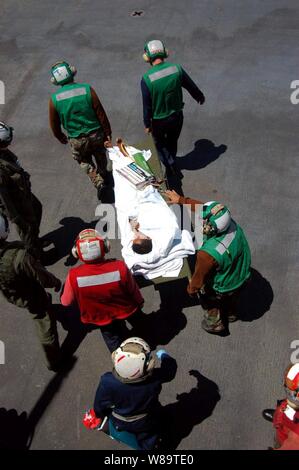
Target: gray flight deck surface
244,56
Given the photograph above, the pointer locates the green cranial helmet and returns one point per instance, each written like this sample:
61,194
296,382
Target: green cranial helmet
216,218
153,50
62,73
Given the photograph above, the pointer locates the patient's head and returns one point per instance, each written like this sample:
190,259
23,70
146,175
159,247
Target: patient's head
142,246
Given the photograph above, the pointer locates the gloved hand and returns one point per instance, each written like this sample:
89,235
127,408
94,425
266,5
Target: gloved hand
160,353
90,420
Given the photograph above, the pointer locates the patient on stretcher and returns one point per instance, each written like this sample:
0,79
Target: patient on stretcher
154,228
153,244
141,243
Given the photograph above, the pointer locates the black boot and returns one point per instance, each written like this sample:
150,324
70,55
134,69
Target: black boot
268,414
100,190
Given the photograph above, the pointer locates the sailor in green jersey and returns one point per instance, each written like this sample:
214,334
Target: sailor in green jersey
222,263
77,108
162,96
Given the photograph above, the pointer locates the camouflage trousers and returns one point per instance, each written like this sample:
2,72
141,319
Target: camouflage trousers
84,149
28,222
29,230
46,328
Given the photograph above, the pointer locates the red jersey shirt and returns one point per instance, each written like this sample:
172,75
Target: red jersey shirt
286,422
104,292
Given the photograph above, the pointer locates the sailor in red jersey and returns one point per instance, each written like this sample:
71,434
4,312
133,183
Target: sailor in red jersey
104,290
286,416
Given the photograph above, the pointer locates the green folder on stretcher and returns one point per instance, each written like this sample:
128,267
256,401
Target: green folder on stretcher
142,163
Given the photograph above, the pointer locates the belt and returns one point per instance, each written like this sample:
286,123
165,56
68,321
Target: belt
94,132
128,419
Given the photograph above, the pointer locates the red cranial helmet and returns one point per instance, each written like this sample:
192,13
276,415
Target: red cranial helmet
291,384
90,246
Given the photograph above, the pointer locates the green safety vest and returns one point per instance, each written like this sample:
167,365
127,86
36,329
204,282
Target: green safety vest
164,82
73,102
232,254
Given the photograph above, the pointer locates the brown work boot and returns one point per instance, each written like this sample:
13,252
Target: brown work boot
212,324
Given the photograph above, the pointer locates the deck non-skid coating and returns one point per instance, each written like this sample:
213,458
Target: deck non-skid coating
239,148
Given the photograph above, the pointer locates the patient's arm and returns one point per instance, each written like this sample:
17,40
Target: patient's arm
134,224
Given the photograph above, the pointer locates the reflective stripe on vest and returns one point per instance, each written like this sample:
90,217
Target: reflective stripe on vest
65,95
226,242
129,419
163,73
98,280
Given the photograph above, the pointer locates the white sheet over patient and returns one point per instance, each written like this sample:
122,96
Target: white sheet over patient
156,220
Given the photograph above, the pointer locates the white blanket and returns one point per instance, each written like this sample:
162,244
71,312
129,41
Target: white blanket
156,220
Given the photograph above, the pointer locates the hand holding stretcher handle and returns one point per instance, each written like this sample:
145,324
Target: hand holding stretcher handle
120,144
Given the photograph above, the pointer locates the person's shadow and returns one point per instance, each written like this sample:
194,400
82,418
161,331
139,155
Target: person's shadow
17,430
190,409
255,298
70,320
169,317
204,153
63,239
107,194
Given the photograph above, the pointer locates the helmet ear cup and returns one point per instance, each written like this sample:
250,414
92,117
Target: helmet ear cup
73,70
166,53
53,81
149,363
208,228
107,245
75,252
146,57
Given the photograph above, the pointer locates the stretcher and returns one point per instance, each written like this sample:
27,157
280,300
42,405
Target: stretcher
155,164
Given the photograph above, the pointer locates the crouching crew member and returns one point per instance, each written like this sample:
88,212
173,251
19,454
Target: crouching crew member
77,108
286,416
129,395
222,263
22,282
104,290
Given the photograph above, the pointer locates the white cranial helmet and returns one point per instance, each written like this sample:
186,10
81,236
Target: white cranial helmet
133,359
